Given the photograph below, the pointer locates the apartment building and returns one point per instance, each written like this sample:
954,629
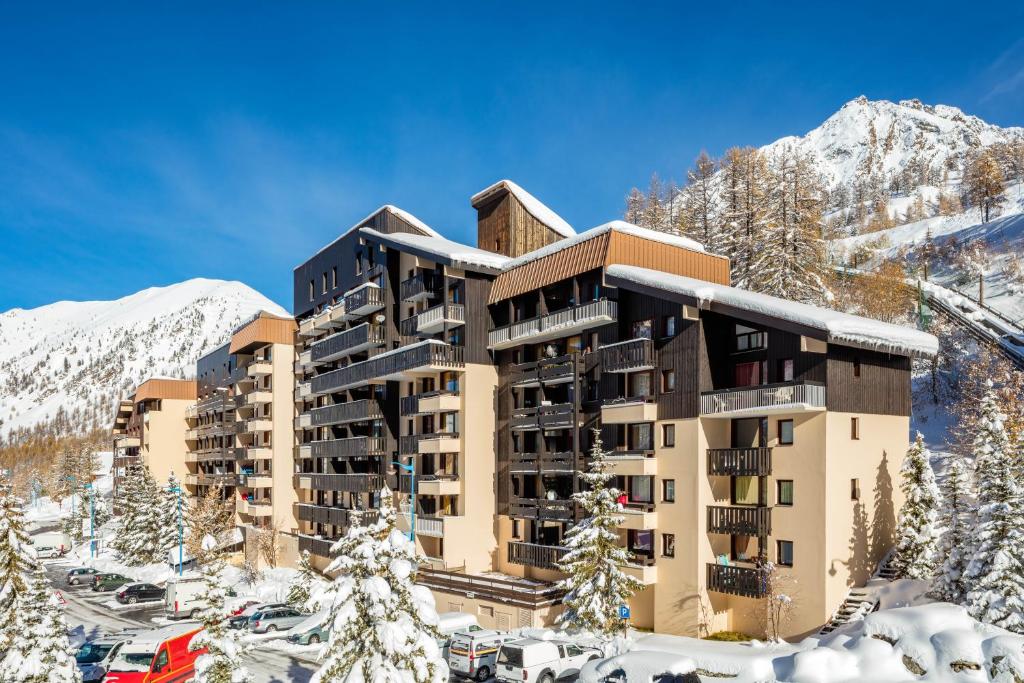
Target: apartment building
742,427
241,429
149,428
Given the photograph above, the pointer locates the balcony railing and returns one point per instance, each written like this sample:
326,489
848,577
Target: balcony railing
740,520
321,547
359,338
746,581
559,509
557,370
352,447
783,397
344,413
365,300
557,416
390,365
357,483
410,405
628,356
543,462
410,443
553,325
535,555
432,320
324,514
505,590
740,462
422,285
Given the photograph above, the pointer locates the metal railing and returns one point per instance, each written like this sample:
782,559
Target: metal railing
784,394
325,514
568,318
357,483
734,580
535,555
744,462
354,446
410,405
634,354
442,355
362,410
543,417
417,324
338,345
422,283
741,520
321,547
559,509
550,370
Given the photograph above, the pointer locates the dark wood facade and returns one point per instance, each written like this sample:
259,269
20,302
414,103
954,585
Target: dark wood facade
504,226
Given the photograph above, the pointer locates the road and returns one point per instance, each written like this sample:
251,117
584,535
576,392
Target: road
86,611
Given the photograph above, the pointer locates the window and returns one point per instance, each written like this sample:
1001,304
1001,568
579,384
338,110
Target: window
748,374
334,277
855,489
748,339
668,545
784,492
854,428
515,528
668,490
323,283
785,432
745,491
856,368
784,553
643,329
668,380
668,326
161,661
311,291
668,435
786,370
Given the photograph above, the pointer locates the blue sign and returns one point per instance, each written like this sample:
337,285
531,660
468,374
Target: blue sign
623,611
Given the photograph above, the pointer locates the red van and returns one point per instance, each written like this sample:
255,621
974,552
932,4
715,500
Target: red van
158,656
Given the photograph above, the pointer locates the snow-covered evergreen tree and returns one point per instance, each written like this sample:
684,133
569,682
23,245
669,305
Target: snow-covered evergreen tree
39,651
168,512
596,586
995,574
222,660
383,626
17,560
302,588
141,538
956,521
745,210
917,529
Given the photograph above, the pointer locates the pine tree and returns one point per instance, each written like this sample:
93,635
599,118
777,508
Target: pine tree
16,561
699,214
140,539
635,207
995,574
383,626
596,586
39,651
222,660
955,519
744,210
917,530
168,513
301,590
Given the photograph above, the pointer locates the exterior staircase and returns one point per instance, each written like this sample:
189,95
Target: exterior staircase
861,601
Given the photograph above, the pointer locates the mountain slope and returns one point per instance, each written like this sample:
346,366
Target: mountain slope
65,364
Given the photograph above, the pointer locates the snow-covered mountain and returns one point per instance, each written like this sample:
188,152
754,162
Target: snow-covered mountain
885,137
72,360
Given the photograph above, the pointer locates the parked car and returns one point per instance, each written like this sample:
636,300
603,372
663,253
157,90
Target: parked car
93,657
242,620
80,575
109,582
310,631
275,619
156,656
529,660
132,593
472,654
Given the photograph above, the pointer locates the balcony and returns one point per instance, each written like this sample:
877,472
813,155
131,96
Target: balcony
258,397
259,368
439,442
255,508
303,451
426,357
643,569
549,463
522,593
628,410
535,555
321,547
425,525
557,416
421,286
735,580
126,442
305,359
550,371
438,485
629,356
639,516
352,447
740,520
306,327
335,516
303,421
434,320
562,323
259,480
303,391
260,452
558,509
363,300
740,462
364,410
786,397
355,340
633,463
356,483
257,424
429,403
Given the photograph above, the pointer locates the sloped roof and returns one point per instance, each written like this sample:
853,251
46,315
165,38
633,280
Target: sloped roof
533,206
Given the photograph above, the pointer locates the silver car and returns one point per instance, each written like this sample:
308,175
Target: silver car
81,576
275,619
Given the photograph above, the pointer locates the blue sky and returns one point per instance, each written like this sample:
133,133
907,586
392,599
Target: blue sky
145,143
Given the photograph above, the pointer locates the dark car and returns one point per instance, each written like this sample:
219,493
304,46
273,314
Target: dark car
81,575
109,582
139,592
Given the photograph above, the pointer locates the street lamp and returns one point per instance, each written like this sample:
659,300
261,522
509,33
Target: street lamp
92,520
411,469
176,489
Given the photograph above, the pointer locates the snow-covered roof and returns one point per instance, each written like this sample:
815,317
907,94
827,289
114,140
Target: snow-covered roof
612,226
840,328
401,213
534,206
441,249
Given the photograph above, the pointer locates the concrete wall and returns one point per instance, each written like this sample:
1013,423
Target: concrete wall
284,495
163,446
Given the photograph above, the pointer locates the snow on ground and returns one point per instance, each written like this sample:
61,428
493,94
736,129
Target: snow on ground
44,511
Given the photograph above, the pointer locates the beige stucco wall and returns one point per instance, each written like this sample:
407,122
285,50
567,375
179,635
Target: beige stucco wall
283,495
163,445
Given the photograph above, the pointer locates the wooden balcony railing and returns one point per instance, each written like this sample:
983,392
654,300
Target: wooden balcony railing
795,395
634,354
734,580
356,483
505,590
556,370
424,284
325,514
400,360
363,410
355,446
740,520
338,345
535,555
364,300
557,324
321,547
559,509
740,462
410,405
409,444
559,415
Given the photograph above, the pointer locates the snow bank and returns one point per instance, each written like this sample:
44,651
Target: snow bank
534,206
841,328
460,255
636,667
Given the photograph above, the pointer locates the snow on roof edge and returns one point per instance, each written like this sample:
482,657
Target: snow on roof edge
840,328
401,213
534,206
444,247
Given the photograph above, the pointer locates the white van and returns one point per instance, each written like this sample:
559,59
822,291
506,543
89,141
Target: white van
50,544
183,598
472,654
529,660
449,623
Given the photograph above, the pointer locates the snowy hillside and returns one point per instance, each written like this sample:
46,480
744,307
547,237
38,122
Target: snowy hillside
72,360
878,136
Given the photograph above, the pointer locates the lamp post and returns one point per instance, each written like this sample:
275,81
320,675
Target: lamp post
176,489
411,469
92,521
